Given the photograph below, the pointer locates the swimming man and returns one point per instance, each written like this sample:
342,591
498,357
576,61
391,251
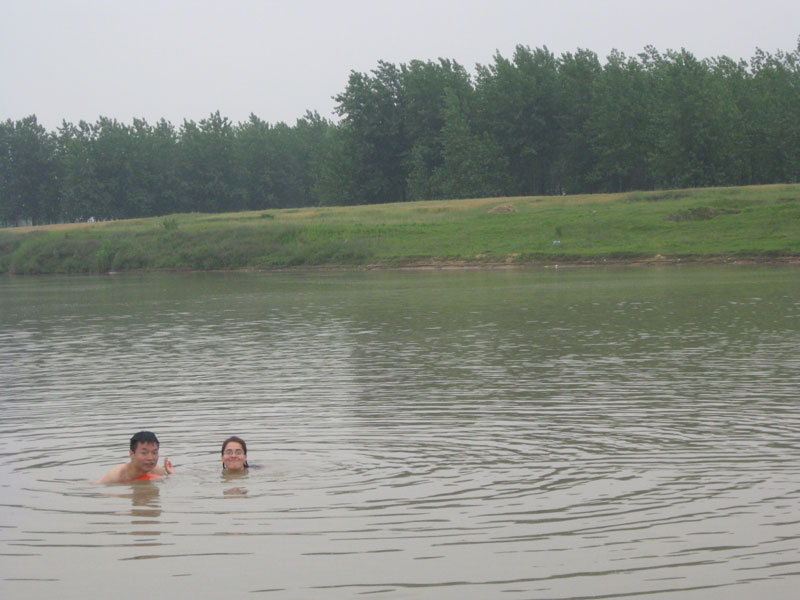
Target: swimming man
143,464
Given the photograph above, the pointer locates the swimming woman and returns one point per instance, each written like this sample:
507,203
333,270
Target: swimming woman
234,454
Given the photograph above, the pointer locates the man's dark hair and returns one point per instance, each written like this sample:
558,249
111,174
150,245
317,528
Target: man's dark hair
143,437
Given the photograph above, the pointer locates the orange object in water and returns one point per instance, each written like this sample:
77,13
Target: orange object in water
147,476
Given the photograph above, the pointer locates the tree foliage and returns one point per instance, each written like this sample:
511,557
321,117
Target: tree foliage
531,124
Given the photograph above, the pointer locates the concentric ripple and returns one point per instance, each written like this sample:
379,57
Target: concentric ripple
466,434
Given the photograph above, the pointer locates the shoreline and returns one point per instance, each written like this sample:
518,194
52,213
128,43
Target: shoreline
458,265
462,264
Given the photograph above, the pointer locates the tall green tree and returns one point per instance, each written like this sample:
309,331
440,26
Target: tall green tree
578,76
732,83
154,162
473,164
279,163
28,175
773,116
112,154
256,157
517,105
208,167
427,85
78,195
335,167
374,136
618,127
694,124
109,170
297,150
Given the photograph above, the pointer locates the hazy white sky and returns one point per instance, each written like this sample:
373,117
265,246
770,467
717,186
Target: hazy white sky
184,59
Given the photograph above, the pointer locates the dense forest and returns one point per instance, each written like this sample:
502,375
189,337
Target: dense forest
533,124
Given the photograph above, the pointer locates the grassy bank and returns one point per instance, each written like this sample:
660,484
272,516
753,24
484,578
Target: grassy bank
759,222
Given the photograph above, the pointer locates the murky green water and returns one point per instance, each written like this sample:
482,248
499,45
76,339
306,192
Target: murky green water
450,434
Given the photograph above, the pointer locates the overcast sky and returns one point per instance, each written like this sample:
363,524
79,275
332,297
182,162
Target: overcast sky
184,59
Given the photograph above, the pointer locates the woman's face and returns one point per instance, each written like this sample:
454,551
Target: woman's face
233,457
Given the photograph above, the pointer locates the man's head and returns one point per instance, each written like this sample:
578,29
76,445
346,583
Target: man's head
143,436
144,451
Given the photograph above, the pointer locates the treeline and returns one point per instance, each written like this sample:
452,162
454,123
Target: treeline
533,124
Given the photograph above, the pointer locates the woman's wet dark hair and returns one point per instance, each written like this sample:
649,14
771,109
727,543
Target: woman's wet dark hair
143,437
238,440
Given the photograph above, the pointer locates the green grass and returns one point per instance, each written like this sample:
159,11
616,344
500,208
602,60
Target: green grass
758,222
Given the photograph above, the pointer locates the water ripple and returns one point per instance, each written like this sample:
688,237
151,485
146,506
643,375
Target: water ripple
520,434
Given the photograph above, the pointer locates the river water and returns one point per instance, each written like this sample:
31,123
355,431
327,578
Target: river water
515,434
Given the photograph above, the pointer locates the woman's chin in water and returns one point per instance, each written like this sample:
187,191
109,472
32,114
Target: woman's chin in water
234,473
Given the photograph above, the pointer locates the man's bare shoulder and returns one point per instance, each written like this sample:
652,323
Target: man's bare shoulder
116,475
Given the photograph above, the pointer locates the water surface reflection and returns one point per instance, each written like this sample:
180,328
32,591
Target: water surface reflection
524,434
